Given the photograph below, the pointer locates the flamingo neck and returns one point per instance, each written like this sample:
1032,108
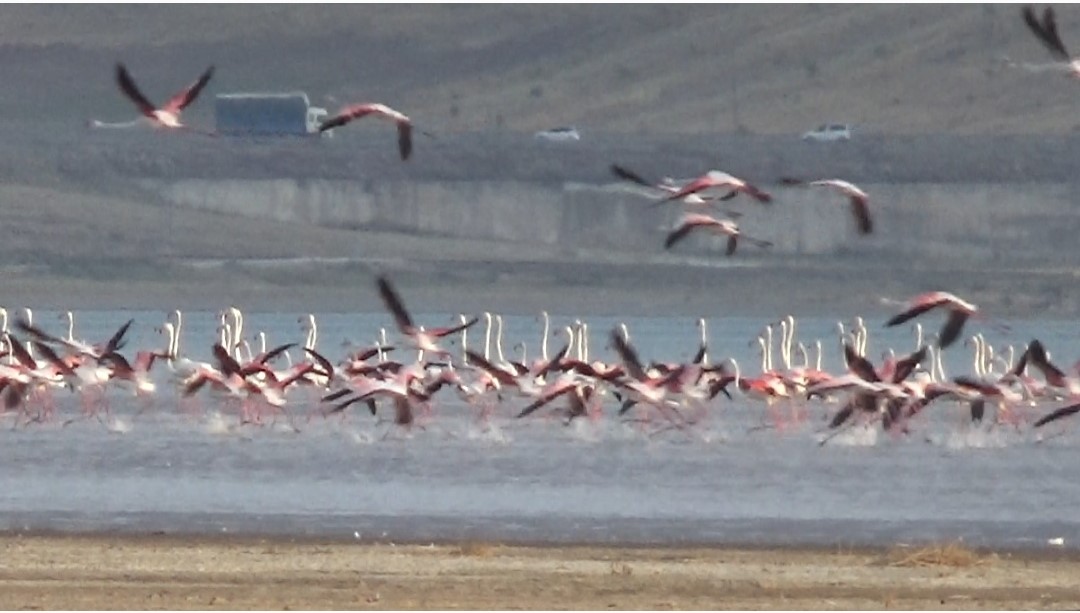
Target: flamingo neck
544,336
464,342
70,327
704,341
487,336
499,339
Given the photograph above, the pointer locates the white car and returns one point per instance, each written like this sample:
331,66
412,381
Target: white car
829,132
559,134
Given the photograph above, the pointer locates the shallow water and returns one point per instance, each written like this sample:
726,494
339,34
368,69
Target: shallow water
726,479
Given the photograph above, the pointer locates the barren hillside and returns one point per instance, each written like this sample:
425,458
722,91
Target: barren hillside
649,85
637,69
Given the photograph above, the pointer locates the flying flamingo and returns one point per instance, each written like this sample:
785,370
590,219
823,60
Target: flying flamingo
167,116
859,199
692,221
423,340
690,199
718,179
959,312
357,111
1047,33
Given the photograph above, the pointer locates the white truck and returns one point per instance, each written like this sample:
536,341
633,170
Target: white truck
268,114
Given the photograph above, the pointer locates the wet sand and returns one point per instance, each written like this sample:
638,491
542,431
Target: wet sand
166,572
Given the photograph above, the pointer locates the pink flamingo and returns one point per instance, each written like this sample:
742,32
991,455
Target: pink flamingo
693,221
859,199
722,180
959,312
423,340
357,111
690,199
167,116
1047,33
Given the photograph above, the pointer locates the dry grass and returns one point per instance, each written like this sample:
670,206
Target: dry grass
954,555
477,549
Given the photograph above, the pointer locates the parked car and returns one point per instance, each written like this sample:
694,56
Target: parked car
829,132
559,134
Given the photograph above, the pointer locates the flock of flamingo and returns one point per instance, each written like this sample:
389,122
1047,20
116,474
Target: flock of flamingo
405,380
568,383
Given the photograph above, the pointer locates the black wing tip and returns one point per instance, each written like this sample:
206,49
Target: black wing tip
404,140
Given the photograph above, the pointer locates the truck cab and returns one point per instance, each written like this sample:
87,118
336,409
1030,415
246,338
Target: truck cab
315,116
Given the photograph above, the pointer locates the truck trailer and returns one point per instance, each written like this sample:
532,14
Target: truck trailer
267,114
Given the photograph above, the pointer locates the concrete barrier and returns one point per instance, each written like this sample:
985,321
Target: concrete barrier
1030,223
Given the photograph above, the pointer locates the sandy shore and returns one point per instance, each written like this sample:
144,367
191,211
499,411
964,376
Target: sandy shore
158,572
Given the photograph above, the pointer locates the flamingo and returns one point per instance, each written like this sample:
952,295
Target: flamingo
718,179
692,221
959,312
690,199
1047,33
859,199
423,340
357,111
94,351
167,116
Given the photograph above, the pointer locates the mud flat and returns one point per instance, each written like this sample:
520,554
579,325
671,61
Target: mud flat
171,572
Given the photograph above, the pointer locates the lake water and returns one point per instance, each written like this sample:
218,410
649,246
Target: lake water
725,480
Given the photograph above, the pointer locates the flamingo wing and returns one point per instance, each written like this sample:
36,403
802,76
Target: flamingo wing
341,406
953,326
51,357
1046,31
861,211
907,365
21,354
37,333
128,87
226,362
116,341
757,193
544,399
394,305
501,375
1058,414
335,121
860,365
273,353
679,233
120,364
913,312
1037,354
327,367
629,175
628,355
692,187
441,332
404,130
182,99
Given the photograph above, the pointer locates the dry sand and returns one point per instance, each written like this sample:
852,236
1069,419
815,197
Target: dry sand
165,572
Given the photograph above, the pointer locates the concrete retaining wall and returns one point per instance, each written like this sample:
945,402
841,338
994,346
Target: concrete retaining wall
1031,223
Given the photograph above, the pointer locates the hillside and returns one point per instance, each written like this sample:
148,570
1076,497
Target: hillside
651,86
634,69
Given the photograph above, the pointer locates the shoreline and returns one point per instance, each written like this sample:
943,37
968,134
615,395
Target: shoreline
608,289
232,572
240,539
